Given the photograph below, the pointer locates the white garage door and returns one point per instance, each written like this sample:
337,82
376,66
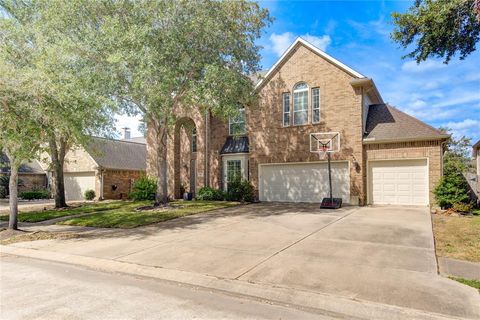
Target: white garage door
399,182
305,182
77,183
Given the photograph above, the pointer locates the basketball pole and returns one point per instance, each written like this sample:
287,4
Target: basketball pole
330,177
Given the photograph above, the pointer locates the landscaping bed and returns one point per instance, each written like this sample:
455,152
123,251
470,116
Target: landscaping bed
457,237
127,216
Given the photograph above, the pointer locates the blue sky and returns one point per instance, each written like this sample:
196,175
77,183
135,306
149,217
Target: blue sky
357,33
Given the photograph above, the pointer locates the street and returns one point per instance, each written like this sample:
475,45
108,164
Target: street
36,289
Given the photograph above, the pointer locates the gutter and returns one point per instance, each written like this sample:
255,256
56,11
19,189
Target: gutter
369,85
374,141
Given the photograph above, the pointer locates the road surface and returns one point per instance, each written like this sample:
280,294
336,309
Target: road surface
35,289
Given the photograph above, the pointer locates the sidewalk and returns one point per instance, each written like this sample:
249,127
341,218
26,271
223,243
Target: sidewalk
459,268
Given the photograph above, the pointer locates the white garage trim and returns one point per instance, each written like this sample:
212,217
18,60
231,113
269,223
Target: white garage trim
370,178
345,194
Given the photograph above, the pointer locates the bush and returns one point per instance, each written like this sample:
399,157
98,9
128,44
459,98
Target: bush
240,190
462,207
3,192
144,189
453,187
39,194
210,194
89,194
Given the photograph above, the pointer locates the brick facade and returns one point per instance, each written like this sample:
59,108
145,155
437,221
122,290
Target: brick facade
341,110
117,184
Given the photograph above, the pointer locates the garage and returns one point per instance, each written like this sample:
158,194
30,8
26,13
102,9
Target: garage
77,183
402,182
303,182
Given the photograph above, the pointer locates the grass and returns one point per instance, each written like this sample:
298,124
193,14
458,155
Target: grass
471,283
476,212
34,236
457,237
125,216
42,215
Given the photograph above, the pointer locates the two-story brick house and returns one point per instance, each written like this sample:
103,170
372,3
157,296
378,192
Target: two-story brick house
385,156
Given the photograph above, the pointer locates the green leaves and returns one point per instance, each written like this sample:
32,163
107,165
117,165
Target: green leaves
438,28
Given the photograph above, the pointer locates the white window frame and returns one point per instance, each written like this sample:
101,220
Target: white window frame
233,122
243,163
305,109
286,109
315,104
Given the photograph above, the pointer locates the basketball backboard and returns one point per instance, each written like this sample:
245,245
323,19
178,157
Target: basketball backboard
324,142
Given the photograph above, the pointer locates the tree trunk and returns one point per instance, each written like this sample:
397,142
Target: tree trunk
157,158
13,200
57,154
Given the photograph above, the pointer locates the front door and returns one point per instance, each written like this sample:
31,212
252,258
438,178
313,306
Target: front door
233,167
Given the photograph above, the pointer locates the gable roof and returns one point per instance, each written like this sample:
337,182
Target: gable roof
118,154
386,123
300,41
32,167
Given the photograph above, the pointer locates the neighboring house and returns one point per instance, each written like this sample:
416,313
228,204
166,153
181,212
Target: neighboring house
386,156
31,174
476,157
109,167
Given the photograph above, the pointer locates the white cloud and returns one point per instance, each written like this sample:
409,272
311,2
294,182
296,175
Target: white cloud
428,65
466,98
281,42
465,124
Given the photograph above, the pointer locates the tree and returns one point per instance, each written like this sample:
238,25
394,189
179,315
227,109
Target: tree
20,135
438,28
75,103
165,55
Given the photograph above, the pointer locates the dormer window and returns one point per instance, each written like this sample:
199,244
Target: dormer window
300,103
236,125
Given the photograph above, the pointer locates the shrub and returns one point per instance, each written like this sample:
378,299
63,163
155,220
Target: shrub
240,190
89,194
3,192
462,207
453,187
39,194
143,189
210,194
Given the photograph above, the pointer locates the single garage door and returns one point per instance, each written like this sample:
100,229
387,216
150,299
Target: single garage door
303,182
77,183
399,182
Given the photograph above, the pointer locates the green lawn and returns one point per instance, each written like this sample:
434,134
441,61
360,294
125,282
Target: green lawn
125,216
457,237
42,215
471,283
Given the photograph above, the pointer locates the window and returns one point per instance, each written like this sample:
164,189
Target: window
286,109
300,103
194,140
234,170
315,105
236,125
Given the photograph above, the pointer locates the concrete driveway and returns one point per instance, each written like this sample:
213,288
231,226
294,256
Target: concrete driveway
379,254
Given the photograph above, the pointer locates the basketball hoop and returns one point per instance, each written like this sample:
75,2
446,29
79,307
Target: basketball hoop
322,152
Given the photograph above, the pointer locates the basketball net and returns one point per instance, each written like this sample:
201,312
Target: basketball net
322,152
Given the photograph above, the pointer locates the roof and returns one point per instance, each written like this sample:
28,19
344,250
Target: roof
32,167
118,154
136,139
235,145
329,58
387,123
475,147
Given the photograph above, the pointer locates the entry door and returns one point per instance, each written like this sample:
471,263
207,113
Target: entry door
399,182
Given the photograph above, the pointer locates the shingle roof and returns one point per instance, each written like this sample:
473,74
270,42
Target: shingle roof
118,154
387,123
235,145
30,167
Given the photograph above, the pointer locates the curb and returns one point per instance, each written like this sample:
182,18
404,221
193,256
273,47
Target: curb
326,304
459,268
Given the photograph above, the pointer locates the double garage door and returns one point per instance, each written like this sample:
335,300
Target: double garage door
303,182
77,183
398,182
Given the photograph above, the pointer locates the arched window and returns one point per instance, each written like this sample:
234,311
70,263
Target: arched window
300,103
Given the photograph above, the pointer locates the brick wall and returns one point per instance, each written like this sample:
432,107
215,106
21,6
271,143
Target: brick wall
122,179
432,150
340,111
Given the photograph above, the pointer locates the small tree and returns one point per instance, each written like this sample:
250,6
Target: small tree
438,28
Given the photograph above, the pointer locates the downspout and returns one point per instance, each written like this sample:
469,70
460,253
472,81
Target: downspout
206,179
